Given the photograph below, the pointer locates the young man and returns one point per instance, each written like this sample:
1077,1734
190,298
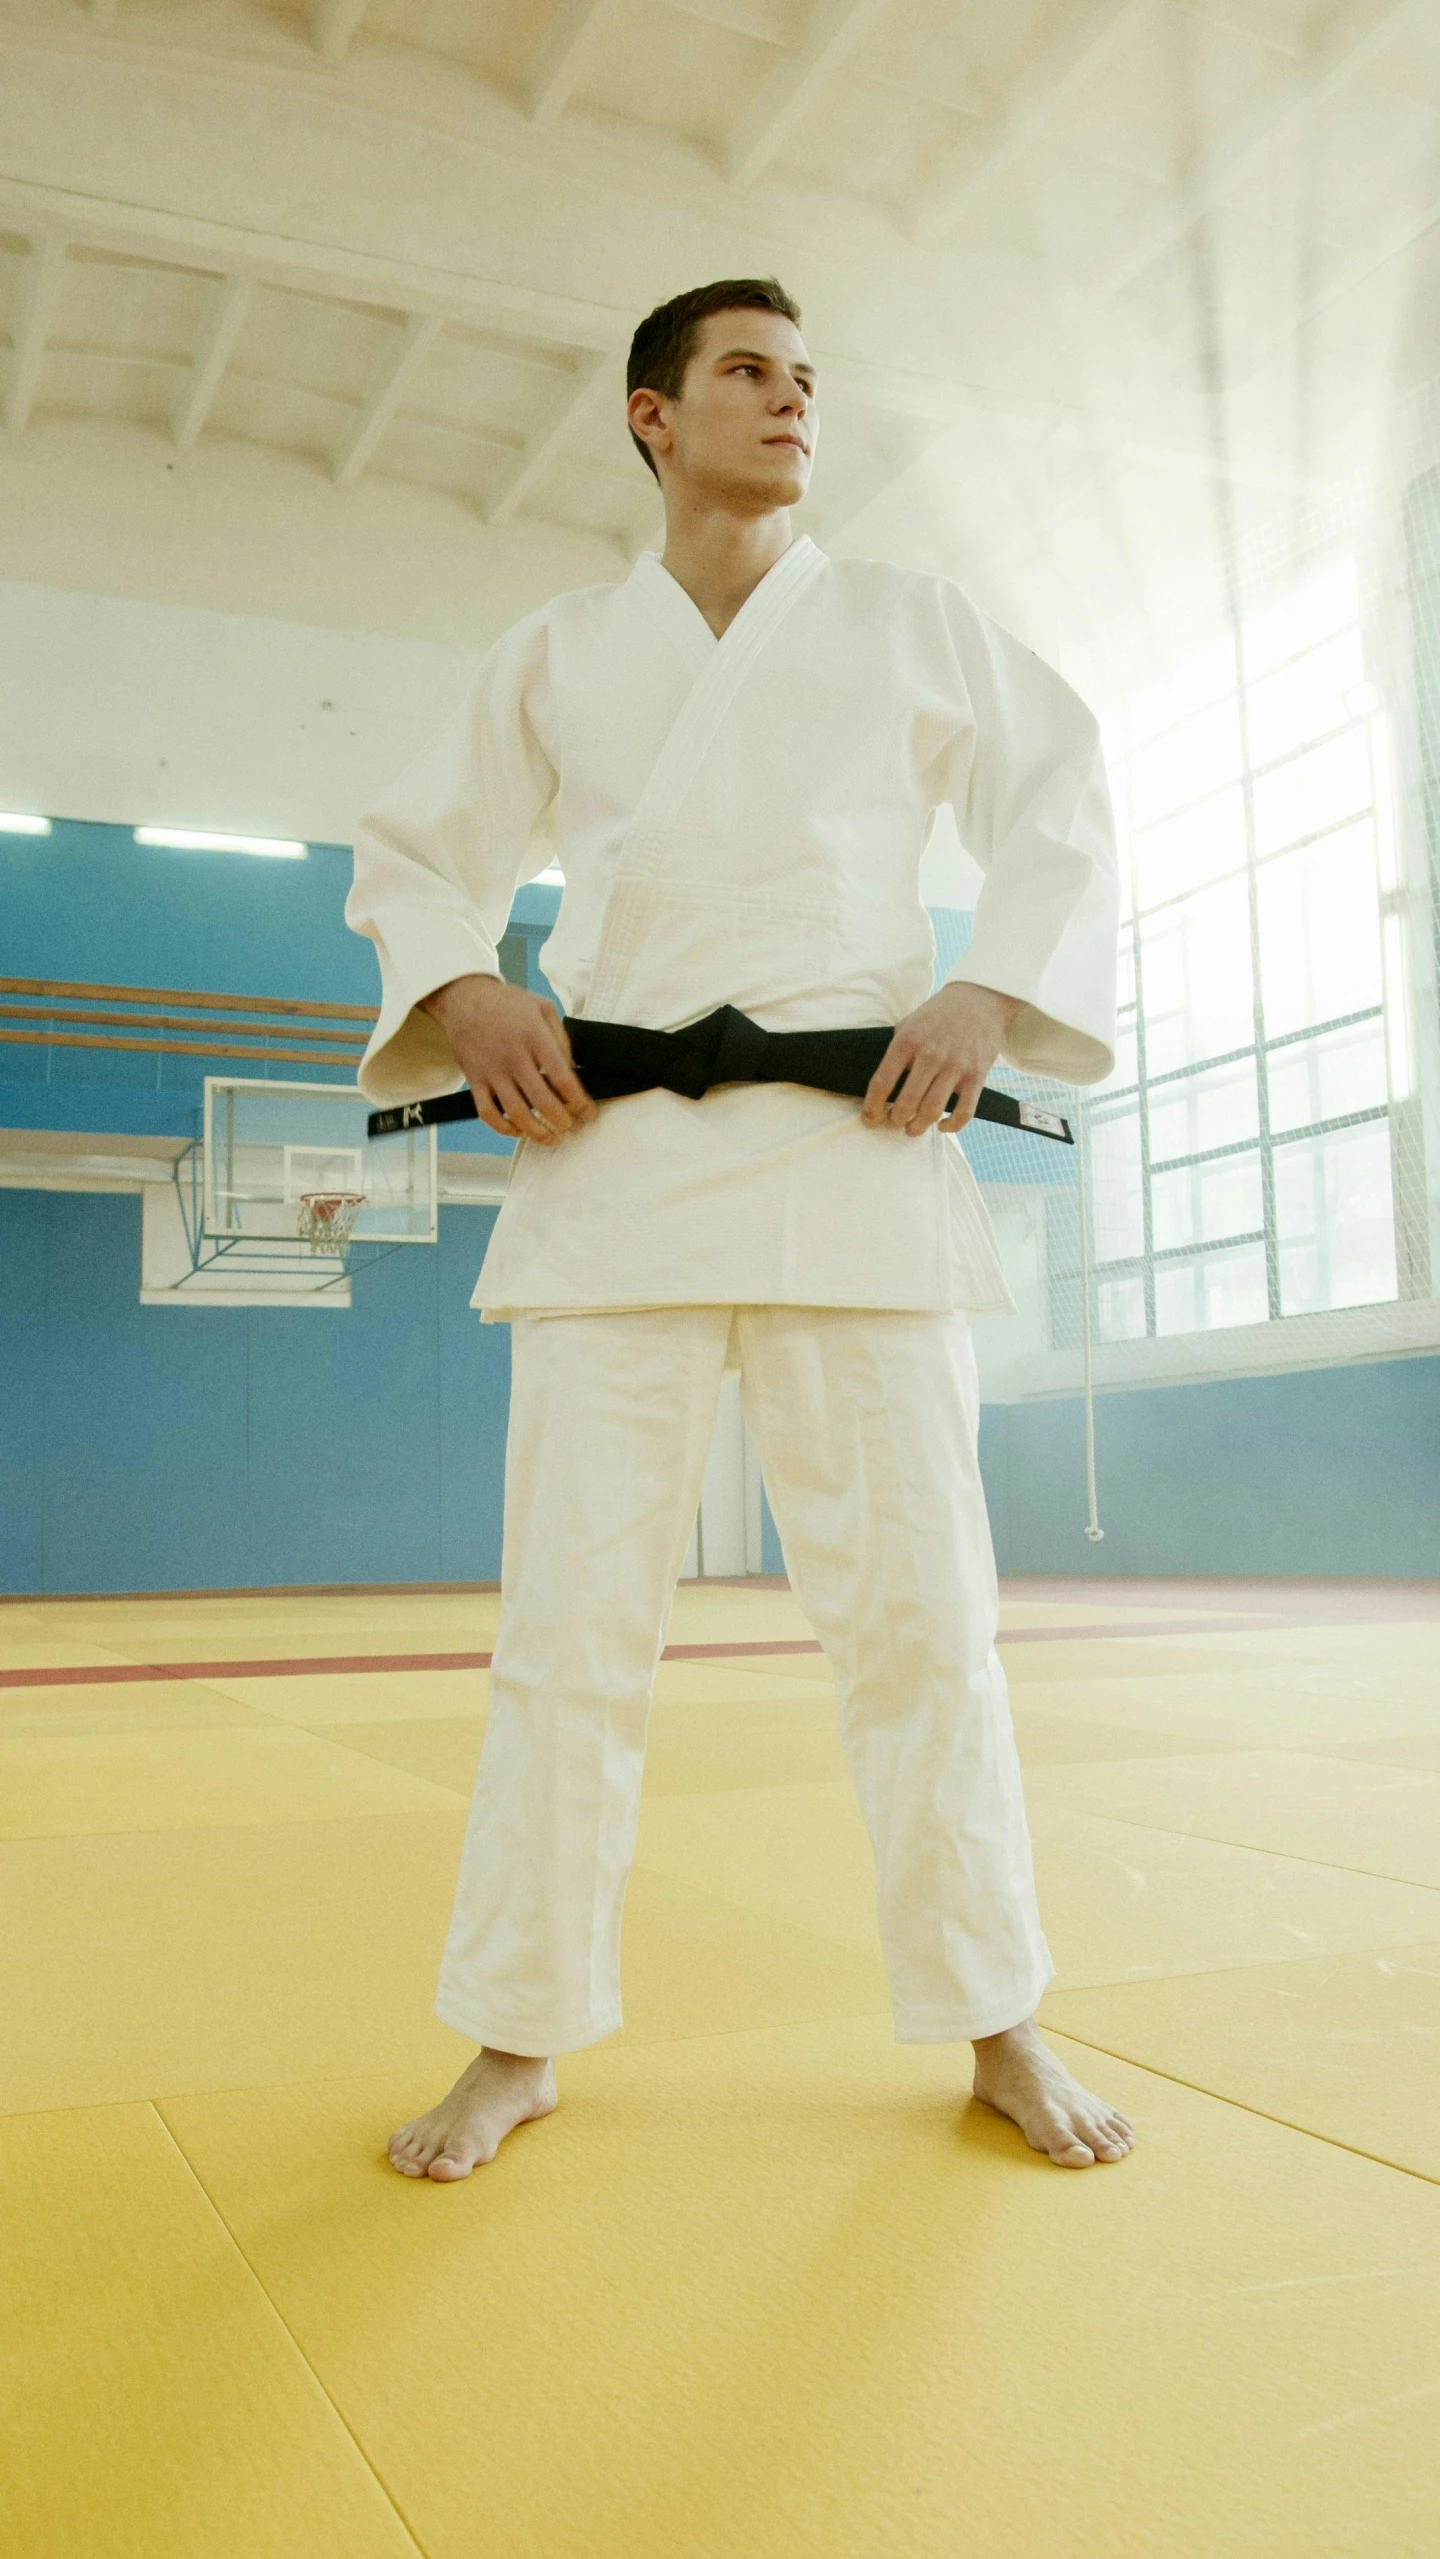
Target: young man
736,755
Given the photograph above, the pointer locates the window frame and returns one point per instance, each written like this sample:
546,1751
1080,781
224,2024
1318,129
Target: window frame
1135,1096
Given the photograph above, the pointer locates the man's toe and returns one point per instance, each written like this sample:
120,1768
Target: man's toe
1064,2139
1072,2152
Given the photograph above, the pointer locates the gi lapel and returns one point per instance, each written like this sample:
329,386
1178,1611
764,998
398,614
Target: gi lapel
716,684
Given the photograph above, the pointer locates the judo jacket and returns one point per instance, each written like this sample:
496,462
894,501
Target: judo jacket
742,821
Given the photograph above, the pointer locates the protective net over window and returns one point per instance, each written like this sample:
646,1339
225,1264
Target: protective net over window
1261,1174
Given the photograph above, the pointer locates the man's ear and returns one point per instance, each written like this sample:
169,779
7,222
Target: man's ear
646,416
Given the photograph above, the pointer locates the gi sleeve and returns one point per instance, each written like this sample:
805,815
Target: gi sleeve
1027,782
438,861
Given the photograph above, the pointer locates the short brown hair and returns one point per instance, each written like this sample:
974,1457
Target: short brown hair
664,343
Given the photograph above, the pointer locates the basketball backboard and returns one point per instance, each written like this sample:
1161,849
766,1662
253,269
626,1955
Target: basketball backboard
268,1146
262,1210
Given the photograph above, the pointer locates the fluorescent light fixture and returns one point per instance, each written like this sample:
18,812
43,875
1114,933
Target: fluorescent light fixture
11,823
198,839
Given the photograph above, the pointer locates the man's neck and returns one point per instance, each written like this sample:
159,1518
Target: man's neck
720,559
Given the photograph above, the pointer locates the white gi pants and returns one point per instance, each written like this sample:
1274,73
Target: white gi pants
865,1421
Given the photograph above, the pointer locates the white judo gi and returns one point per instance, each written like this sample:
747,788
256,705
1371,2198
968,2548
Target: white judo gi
741,821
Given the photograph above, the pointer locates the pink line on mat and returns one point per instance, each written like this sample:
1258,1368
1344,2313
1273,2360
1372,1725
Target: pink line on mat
106,1674
99,1674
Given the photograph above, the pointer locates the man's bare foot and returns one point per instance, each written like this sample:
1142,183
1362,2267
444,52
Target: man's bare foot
1017,2075
497,2092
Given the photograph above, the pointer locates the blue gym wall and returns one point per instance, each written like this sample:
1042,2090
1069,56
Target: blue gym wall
1321,1470
153,1448
196,1448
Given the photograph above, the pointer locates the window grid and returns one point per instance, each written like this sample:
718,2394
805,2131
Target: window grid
1134,1098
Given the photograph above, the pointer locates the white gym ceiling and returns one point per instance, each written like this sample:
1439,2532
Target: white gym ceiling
320,310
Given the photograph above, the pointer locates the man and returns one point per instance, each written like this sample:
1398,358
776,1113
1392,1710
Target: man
736,755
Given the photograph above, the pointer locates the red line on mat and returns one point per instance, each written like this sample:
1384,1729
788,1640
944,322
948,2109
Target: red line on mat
104,1674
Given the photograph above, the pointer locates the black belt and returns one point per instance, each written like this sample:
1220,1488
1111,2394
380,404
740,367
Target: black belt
615,1058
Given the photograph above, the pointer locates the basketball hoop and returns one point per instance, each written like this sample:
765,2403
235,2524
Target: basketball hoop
327,1219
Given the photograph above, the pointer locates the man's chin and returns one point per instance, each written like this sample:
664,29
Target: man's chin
762,492
772,489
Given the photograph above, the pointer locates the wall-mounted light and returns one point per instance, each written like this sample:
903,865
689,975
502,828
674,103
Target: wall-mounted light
12,823
196,839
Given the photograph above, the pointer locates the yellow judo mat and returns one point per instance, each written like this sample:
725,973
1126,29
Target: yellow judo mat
767,2286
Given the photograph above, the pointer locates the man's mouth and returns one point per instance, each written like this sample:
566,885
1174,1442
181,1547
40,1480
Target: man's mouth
795,440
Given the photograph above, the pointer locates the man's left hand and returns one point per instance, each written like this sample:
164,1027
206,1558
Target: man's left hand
947,1045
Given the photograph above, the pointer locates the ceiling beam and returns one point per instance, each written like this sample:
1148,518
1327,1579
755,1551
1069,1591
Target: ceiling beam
595,376
762,20
1347,43
333,23
768,123
192,242
462,430
402,362
1089,40
570,40
647,532
870,385
1098,482
1219,465
228,315
882,475
192,245
1110,444
37,303
1360,270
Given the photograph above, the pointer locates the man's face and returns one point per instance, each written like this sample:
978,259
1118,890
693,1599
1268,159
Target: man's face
743,433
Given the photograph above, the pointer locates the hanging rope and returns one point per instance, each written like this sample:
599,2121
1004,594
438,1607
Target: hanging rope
1093,1529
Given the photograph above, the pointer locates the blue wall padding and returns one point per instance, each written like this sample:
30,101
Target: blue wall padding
1321,1470
89,902
995,1154
199,1448
23,1389
149,1449
954,931
205,1448
117,1092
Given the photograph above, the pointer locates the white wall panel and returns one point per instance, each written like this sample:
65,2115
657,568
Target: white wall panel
139,713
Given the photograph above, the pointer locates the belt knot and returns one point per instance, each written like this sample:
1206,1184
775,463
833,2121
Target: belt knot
745,1055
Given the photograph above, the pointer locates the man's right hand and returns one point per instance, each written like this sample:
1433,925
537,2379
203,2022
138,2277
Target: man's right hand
512,1048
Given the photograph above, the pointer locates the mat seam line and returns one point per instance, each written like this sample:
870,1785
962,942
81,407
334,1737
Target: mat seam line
375,1758
1211,1839
1263,2114
266,1821
264,2290
1210,1972
135,1669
